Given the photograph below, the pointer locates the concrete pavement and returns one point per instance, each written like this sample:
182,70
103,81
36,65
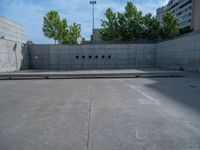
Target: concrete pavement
100,114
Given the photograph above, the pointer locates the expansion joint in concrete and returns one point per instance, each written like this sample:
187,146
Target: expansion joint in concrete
89,118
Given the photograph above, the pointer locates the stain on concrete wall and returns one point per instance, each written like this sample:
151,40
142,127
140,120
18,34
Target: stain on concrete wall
13,56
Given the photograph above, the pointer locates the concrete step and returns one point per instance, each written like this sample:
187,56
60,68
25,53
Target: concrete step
90,74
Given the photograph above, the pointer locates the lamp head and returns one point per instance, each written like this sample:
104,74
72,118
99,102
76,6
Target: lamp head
93,2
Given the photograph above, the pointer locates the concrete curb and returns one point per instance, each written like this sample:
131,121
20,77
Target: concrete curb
56,75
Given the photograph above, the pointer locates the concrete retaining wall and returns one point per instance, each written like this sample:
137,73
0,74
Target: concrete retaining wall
13,56
77,57
182,53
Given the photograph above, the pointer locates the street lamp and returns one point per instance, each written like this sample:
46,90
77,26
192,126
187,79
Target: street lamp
93,2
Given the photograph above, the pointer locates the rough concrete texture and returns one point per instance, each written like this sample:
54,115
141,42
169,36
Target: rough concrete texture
10,30
181,53
13,56
100,114
84,57
89,74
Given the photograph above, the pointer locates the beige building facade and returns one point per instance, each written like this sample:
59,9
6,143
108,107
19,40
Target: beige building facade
196,15
187,11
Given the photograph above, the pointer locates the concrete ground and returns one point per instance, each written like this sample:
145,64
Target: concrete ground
100,114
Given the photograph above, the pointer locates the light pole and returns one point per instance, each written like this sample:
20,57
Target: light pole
93,2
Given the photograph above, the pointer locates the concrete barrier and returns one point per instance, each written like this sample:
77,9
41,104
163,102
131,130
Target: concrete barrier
182,53
13,56
179,54
89,57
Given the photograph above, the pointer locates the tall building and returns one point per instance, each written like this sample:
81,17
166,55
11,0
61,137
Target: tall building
196,15
182,9
160,12
10,30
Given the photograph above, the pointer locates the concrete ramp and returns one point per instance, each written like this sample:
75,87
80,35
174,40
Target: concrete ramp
133,73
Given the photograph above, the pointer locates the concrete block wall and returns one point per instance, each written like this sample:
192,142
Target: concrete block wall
181,53
13,56
178,54
86,57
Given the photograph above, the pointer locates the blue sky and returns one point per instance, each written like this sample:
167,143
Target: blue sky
30,13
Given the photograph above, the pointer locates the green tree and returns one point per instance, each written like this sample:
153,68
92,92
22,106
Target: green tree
170,26
132,27
62,30
110,26
125,26
74,33
151,27
51,25
57,29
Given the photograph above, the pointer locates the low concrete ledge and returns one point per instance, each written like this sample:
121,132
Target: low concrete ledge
90,74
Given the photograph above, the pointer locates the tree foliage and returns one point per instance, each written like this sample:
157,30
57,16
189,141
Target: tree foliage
58,29
110,26
122,26
132,25
74,33
51,25
170,26
152,27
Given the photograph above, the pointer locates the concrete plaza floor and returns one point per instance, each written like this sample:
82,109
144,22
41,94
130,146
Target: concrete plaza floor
100,114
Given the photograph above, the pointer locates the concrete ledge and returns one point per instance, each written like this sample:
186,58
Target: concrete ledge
34,74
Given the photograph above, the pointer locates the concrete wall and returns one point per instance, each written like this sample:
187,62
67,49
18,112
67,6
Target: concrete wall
196,15
13,56
10,30
77,57
179,53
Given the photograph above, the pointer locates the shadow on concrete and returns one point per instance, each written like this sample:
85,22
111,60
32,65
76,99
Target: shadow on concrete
185,91
25,61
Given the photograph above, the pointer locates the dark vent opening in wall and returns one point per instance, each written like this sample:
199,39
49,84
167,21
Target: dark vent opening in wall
96,57
77,57
83,57
103,56
109,56
181,69
90,57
